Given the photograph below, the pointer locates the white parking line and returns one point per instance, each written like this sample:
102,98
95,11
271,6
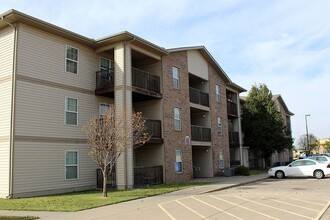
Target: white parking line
187,207
315,203
275,200
283,210
166,212
251,210
216,208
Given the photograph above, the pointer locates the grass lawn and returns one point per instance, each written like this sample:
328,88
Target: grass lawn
257,171
89,199
18,218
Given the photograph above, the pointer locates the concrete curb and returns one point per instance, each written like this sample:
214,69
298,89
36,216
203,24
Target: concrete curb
232,186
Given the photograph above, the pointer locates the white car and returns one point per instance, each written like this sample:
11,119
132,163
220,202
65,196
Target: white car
321,159
303,167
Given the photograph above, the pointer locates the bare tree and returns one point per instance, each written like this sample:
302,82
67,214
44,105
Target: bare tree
109,136
312,144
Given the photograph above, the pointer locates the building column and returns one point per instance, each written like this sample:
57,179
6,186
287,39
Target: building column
123,104
239,129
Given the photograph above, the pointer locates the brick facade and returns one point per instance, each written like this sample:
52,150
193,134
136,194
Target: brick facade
219,141
175,140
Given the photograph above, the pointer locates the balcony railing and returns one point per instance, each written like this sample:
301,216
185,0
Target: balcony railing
198,97
233,139
145,80
105,79
231,108
199,133
148,175
154,128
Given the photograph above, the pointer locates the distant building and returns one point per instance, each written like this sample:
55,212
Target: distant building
277,158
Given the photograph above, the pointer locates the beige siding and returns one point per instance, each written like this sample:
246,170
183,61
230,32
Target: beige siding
6,67
197,65
40,111
42,55
41,167
149,155
150,109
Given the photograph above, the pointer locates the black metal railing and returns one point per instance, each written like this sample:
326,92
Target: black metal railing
233,138
231,108
198,97
105,79
145,80
199,133
154,128
148,175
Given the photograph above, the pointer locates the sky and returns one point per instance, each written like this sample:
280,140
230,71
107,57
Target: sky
284,44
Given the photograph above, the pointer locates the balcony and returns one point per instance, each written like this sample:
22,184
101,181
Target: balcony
148,175
199,97
199,133
105,82
145,86
233,139
154,128
232,108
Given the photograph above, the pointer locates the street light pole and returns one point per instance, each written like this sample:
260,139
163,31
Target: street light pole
307,137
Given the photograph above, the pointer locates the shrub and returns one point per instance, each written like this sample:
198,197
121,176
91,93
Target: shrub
242,171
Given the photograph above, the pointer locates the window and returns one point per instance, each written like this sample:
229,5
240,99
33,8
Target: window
71,165
177,119
221,159
219,125
218,93
106,64
71,111
178,161
176,77
71,60
104,107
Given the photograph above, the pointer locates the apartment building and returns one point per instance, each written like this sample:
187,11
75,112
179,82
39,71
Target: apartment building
52,81
277,158
286,156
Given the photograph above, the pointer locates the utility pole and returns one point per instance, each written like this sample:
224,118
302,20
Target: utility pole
307,136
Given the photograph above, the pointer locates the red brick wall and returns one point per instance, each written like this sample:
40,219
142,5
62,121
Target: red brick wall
175,140
219,142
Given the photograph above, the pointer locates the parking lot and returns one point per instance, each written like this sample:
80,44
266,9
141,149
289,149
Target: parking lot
268,199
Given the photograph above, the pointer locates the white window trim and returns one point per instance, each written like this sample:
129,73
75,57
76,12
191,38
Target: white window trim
105,59
219,127
66,48
65,111
178,79
179,119
71,165
103,103
221,153
179,161
218,93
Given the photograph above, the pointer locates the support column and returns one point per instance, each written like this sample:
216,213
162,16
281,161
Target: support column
123,103
240,130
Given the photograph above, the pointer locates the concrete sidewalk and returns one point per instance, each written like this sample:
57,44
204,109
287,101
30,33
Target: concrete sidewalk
145,208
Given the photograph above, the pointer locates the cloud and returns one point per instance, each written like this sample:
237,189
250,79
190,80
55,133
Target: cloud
284,44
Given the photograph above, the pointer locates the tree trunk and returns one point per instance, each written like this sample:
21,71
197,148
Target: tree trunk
105,190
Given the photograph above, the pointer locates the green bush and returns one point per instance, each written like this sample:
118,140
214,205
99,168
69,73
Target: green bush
242,171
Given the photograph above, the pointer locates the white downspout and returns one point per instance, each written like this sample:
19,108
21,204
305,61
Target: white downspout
12,116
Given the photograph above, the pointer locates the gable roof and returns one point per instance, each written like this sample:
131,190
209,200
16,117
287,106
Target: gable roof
281,101
210,59
13,16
